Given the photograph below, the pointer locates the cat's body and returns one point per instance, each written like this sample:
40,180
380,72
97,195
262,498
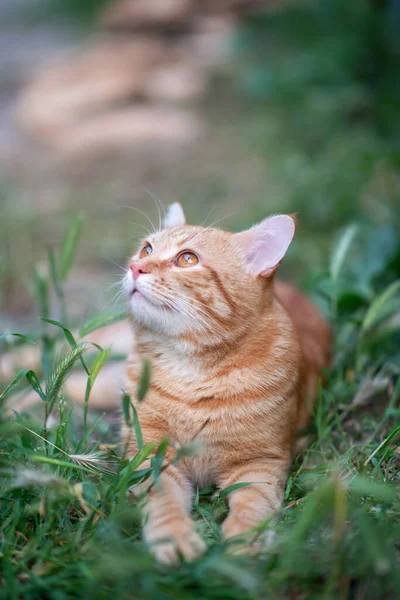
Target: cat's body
236,359
216,396
241,382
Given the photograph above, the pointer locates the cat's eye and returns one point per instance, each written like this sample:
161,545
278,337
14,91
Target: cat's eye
145,251
187,259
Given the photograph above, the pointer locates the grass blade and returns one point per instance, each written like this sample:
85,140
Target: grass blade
235,486
42,293
60,373
97,365
35,384
32,380
126,408
69,246
69,337
101,321
126,473
94,371
144,381
137,428
383,444
12,385
340,252
367,487
375,310
24,338
54,272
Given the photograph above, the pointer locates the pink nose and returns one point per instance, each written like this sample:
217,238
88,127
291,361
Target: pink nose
137,269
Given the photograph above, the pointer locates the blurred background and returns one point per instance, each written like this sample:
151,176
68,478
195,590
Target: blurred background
235,108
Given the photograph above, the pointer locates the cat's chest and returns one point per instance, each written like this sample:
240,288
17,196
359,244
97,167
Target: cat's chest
209,441
213,424
210,408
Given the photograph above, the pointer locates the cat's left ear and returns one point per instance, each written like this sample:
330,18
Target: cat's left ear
175,216
265,244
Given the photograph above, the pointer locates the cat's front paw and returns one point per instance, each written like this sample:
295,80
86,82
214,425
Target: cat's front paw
234,526
174,539
245,540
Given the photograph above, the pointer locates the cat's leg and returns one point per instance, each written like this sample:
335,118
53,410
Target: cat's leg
249,505
168,528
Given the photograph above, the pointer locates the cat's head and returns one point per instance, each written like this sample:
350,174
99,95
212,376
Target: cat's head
205,282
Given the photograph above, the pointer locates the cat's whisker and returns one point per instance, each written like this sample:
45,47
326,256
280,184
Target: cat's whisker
119,292
192,239
144,214
111,286
209,317
209,213
175,304
174,297
183,309
119,266
110,304
209,321
193,309
116,300
188,310
146,229
158,211
182,312
139,236
191,300
159,205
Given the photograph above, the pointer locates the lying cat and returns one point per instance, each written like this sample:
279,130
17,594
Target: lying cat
236,360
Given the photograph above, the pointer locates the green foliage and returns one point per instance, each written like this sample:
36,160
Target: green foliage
61,371
337,57
92,376
82,13
101,321
69,246
70,531
32,379
320,81
144,381
318,78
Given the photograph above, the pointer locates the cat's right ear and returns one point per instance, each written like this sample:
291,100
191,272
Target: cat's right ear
175,216
265,244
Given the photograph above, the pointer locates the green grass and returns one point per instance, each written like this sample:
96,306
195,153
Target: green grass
313,95
68,530
82,14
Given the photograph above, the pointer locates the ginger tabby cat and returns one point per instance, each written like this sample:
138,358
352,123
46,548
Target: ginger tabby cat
236,360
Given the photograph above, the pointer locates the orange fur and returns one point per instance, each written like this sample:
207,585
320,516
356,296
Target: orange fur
237,371
236,358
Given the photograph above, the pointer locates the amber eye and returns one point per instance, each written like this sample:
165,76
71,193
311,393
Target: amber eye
187,259
145,251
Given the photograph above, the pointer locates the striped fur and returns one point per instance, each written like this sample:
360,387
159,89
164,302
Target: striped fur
235,363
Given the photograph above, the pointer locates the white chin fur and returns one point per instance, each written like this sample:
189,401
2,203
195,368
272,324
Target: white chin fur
157,319
162,320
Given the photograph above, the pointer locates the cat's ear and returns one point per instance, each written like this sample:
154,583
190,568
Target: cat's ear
175,216
265,244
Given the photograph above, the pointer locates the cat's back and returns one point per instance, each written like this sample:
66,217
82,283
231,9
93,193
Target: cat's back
314,333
